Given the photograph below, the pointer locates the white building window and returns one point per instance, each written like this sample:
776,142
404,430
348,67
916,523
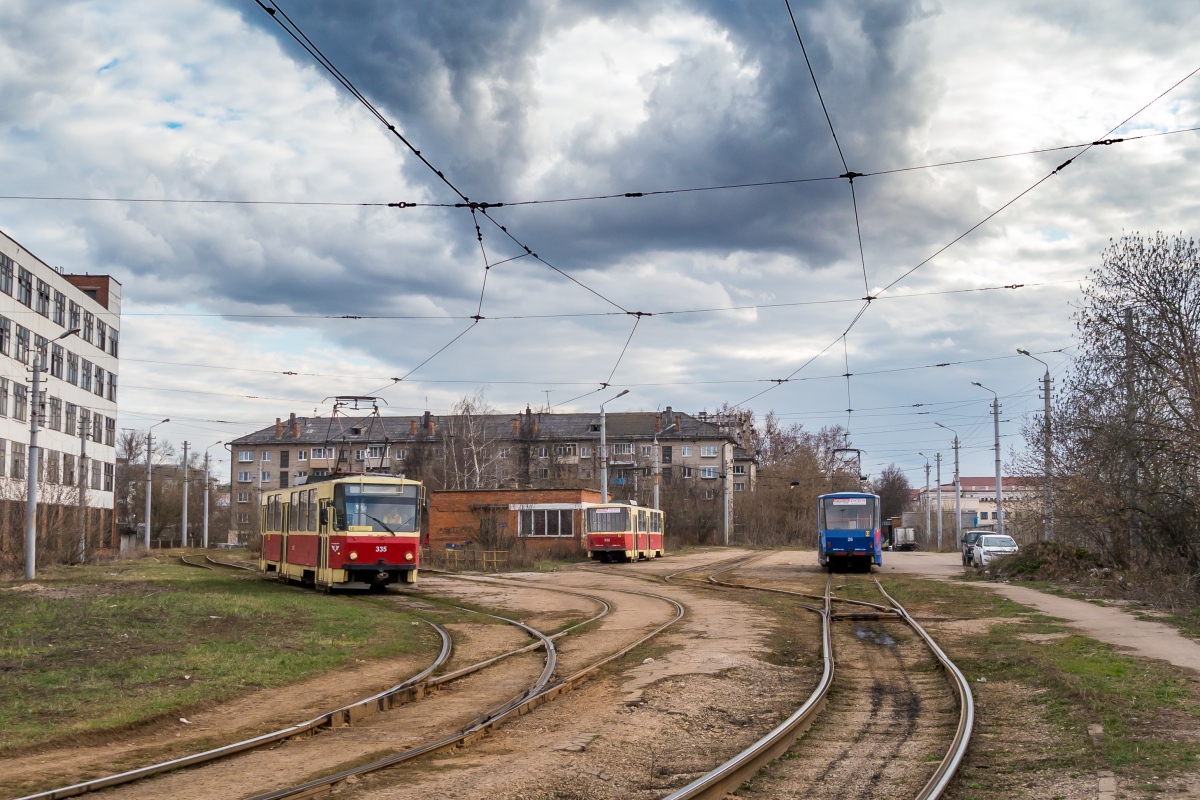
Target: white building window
739,487
377,451
266,477
546,523
564,450
685,450
266,455
359,454
245,455
543,452
585,451
244,477
708,472
685,472
503,452
708,451
739,469
623,449
243,497
647,451
302,455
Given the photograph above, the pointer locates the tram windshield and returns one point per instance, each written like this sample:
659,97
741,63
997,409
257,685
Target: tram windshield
848,513
378,507
603,520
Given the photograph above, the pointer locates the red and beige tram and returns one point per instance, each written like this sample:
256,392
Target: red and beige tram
349,531
620,532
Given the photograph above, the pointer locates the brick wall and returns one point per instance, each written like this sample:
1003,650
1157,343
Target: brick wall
464,516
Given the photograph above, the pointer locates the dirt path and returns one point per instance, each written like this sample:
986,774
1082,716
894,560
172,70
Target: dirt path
1112,625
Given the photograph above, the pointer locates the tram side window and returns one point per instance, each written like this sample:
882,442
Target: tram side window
655,523
604,520
641,522
299,512
312,509
295,520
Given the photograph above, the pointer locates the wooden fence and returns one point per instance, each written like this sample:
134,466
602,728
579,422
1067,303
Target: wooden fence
469,559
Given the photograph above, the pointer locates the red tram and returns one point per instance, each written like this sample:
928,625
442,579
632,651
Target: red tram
620,532
348,531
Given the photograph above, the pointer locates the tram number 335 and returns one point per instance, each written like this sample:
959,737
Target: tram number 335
381,548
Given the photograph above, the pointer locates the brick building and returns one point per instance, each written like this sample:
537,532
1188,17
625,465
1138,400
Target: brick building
492,519
712,456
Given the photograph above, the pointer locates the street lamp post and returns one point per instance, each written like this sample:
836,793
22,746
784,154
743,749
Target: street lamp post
149,469
1047,454
658,463
999,486
922,455
938,459
957,490
207,492
184,521
35,406
604,450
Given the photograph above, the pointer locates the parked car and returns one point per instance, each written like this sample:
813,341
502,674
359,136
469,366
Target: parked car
992,545
968,542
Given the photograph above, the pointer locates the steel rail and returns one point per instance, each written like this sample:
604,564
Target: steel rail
346,714
480,728
733,773
966,704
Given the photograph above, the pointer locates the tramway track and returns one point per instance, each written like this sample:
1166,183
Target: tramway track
410,690
520,705
746,765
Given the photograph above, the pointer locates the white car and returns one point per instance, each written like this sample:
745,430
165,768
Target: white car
991,546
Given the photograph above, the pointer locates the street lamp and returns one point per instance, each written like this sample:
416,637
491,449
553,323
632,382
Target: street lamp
922,455
999,487
31,478
149,450
658,463
204,541
957,490
604,449
1047,455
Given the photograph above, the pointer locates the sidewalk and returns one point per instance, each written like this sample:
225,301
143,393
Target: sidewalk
1112,625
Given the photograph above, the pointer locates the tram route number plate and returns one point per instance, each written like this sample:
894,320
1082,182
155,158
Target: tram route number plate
607,510
849,501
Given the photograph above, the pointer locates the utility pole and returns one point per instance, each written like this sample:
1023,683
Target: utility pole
604,450
183,524
957,489
999,484
725,492
35,412
927,521
149,474
1047,450
938,458
31,499
83,434
658,463
204,540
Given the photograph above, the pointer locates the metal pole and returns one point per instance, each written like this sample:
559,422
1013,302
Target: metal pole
938,458
927,520
204,542
149,448
999,480
32,477
83,432
603,459
1047,456
957,496
183,525
725,487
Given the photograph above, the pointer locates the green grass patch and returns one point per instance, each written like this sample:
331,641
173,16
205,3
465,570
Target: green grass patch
114,645
1073,681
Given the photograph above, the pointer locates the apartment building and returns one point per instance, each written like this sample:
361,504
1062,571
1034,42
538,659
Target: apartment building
78,406
711,455
978,497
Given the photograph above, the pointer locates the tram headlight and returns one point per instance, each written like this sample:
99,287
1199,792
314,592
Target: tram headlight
353,556
408,556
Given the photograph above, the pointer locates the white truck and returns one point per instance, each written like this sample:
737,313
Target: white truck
904,539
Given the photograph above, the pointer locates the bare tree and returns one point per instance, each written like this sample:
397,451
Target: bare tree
893,489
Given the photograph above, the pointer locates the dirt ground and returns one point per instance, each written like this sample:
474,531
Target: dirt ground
731,669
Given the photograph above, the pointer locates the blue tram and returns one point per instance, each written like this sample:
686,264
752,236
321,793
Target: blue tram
848,527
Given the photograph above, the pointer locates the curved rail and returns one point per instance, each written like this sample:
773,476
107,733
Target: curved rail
966,715
743,766
480,728
346,714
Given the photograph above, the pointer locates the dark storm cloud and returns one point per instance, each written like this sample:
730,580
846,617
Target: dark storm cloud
460,83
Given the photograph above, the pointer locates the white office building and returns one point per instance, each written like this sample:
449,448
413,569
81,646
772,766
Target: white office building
38,304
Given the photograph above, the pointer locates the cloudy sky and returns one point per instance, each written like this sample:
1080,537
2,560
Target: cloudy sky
539,100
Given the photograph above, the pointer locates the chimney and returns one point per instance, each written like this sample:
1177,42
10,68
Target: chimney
412,427
678,426
278,428
426,424
535,426
657,424
295,426
431,425
516,426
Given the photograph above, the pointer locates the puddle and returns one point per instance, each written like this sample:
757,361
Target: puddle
877,637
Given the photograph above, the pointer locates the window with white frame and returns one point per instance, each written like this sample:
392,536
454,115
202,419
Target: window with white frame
243,518
503,452
647,450
685,450
245,456
708,451
359,455
244,477
585,451
302,455
266,477
544,473
399,455
739,469
317,452
377,451
685,472
739,487
550,522
708,494
543,452
564,450
708,472
266,455
623,449
243,497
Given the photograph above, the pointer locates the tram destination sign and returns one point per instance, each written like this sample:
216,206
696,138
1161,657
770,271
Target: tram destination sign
849,501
